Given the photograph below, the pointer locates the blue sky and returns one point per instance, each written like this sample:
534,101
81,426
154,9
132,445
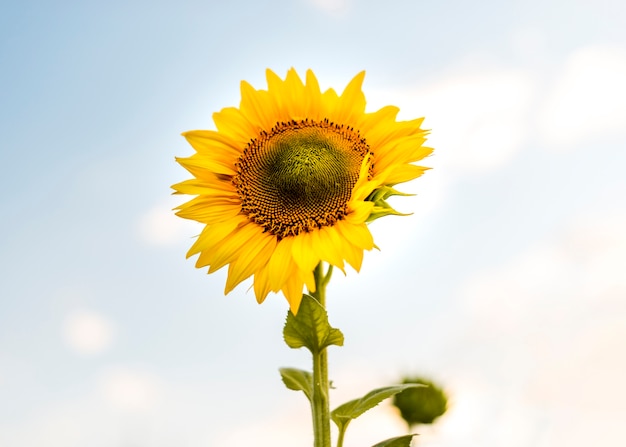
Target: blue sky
506,285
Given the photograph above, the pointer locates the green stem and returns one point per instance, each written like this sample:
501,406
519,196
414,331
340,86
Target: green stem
321,281
320,405
320,402
340,438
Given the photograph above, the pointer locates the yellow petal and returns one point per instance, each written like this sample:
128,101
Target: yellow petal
209,141
357,235
261,284
351,105
256,105
293,292
381,117
233,124
329,246
360,211
295,98
211,236
303,253
313,97
230,248
200,165
210,210
196,187
281,264
353,253
256,255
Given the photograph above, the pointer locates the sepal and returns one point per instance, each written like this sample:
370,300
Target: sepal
381,208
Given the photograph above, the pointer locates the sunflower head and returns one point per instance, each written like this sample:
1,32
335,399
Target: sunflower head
291,178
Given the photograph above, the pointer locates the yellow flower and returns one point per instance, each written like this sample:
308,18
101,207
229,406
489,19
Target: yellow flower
291,178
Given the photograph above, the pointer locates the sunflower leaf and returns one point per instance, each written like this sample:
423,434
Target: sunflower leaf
310,328
298,380
343,414
400,441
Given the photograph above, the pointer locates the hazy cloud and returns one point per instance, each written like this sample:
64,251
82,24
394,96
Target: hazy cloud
129,389
160,226
588,98
478,118
332,7
559,307
88,332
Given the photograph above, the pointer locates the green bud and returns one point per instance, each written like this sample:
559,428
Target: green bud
421,405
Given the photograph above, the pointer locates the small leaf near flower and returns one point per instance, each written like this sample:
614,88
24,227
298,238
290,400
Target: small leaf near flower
310,328
298,380
400,441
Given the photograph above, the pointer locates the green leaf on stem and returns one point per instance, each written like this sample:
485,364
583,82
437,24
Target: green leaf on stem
298,380
310,328
400,441
343,414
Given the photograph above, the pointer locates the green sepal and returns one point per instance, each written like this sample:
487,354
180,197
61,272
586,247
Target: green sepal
384,192
298,380
400,441
343,414
310,328
381,208
382,211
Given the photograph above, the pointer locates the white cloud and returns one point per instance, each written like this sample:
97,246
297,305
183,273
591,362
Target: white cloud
555,320
479,415
87,332
54,428
120,410
479,121
588,98
130,390
530,43
287,429
478,118
481,117
159,225
332,7
561,279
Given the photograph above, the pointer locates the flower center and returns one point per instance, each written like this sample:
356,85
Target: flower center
299,176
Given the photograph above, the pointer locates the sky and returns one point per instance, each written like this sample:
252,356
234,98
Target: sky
506,285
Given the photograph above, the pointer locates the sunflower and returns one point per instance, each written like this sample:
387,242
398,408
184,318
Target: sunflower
291,178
